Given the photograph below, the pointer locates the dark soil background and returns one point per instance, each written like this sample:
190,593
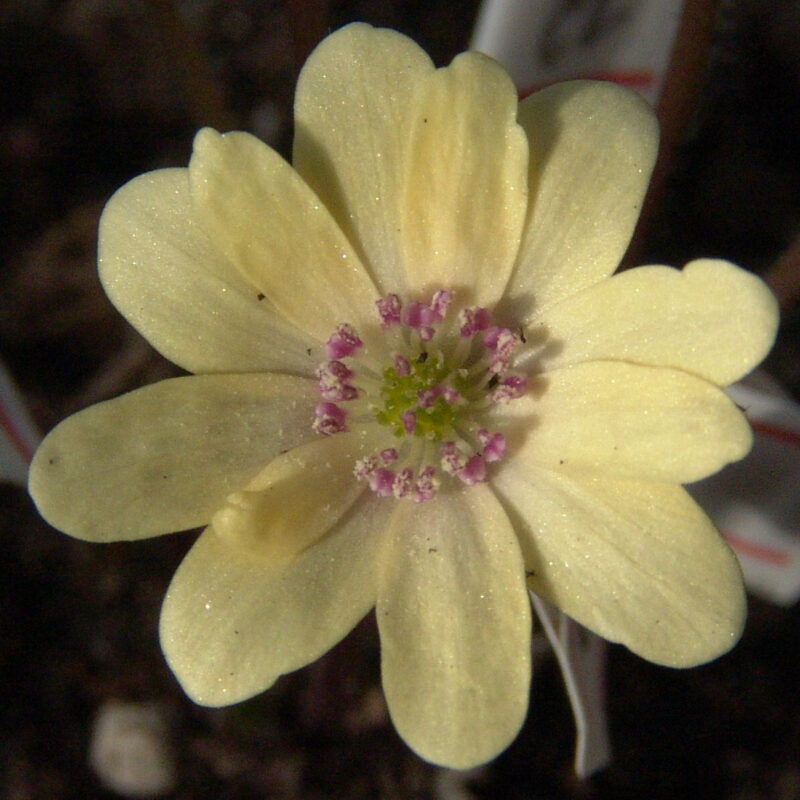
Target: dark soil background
97,91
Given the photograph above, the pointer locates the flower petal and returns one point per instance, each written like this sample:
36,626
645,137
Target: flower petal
167,279
231,625
627,421
353,96
295,499
165,457
455,627
265,219
662,316
636,562
592,149
465,194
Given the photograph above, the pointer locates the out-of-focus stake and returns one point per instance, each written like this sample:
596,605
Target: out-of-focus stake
783,276
308,25
676,105
18,435
205,102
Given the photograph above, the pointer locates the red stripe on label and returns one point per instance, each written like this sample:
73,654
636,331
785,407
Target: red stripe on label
20,445
774,432
759,552
633,79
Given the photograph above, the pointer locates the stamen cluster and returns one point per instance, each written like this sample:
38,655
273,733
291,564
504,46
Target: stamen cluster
442,377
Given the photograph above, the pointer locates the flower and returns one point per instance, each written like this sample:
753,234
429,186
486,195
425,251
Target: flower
417,388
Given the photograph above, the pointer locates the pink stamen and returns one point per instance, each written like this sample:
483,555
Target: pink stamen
409,420
332,386
402,366
453,460
417,314
502,342
403,483
492,335
330,419
470,470
494,445
426,485
474,471
381,482
452,396
510,388
427,397
389,308
364,467
343,342
440,303
474,320
347,392
421,318
335,369
388,455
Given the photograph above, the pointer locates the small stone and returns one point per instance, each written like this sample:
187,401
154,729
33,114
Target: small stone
130,751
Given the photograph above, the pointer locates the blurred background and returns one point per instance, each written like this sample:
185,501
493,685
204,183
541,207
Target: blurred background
95,92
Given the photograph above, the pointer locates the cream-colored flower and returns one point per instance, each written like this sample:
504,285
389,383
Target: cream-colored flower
417,389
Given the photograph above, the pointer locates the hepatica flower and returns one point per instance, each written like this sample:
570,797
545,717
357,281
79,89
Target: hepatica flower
417,388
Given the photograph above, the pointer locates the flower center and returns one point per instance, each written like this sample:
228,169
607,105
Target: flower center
444,373
422,397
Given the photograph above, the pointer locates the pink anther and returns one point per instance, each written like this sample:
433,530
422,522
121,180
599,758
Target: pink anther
329,419
427,397
409,420
426,485
343,342
510,388
474,320
502,342
402,366
420,317
440,303
403,482
389,308
453,460
494,445
332,382
381,482
388,455
364,467
474,471
452,396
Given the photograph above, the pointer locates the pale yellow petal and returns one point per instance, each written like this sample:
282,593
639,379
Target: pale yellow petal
170,282
711,318
264,218
353,96
592,149
231,626
465,193
455,627
165,457
636,562
295,499
627,421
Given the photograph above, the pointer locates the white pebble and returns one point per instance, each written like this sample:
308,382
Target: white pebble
130,751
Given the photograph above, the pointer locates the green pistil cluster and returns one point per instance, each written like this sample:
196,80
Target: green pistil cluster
426,402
